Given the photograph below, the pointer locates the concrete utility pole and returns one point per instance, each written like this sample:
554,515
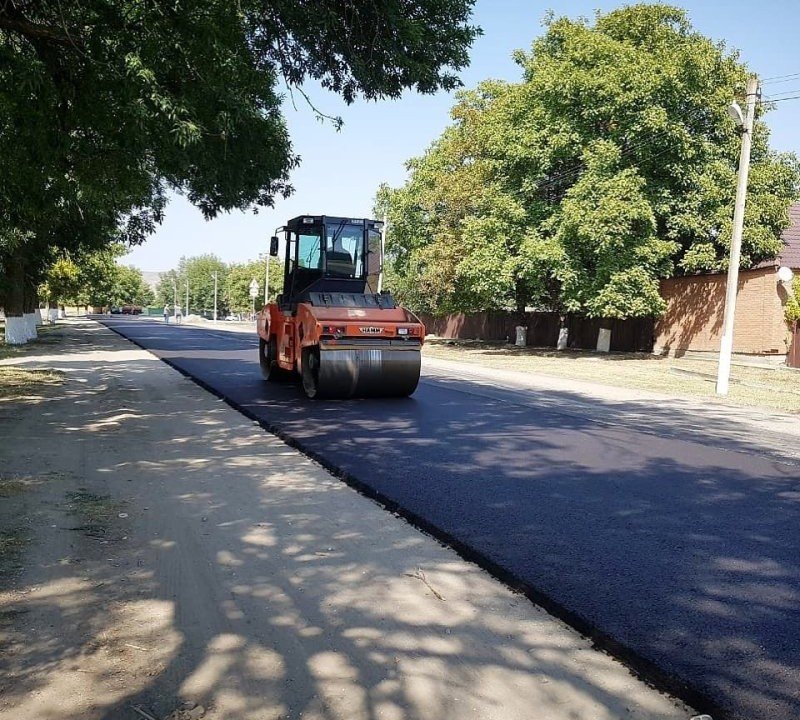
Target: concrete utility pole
266,282
187,299
175,300
384,228
214,275
726,345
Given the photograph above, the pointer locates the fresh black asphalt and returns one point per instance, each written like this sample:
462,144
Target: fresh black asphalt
677,555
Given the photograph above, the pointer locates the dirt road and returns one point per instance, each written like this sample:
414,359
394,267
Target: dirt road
168,552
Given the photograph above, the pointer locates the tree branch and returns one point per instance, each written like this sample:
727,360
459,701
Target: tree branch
34,31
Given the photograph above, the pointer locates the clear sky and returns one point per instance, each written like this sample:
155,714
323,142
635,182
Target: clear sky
340,171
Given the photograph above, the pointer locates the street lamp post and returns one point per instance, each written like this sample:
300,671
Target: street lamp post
384,229
266,282
726,344
186,314
215,275
175,300
265,256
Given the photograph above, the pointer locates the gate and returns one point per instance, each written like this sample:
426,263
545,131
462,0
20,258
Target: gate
793,358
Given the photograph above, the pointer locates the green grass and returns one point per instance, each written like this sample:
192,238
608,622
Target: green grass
775,389
18,382
12,544
11,486
91,507
47,335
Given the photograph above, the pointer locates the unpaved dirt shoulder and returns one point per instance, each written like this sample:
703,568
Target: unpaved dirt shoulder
180,562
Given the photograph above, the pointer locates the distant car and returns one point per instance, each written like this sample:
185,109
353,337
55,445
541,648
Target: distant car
116,311
131,310
231,317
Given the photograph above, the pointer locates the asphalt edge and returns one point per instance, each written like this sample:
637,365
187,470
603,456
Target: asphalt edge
642,668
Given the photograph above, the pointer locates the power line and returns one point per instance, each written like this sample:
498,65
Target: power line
793,91
793,97
779,78
791,78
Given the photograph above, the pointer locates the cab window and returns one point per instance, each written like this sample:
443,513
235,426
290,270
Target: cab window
344,248
308,252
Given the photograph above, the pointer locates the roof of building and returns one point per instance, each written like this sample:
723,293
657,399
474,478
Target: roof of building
790,255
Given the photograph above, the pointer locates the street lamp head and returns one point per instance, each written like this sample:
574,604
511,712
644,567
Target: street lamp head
785,274
736,114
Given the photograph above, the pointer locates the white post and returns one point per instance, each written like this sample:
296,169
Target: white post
726,344
186,314
175,301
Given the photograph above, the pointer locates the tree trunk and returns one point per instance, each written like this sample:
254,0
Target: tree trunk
604,336
14,301
563,333
30,301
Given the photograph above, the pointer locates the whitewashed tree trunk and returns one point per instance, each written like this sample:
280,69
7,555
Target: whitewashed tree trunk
604,340
563,338
16,330
38,313
52,314
30,325
61,313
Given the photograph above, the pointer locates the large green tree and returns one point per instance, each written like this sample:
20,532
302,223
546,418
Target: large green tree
609,165
94,279
199,273
106,104
239,277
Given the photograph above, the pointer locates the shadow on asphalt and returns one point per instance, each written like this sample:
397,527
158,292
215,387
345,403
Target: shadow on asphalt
274,578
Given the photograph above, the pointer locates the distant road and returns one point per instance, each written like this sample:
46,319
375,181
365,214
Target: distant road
680,554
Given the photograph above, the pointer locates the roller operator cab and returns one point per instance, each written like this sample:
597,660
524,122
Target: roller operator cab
331,327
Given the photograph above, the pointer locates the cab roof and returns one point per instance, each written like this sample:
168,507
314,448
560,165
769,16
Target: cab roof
312,220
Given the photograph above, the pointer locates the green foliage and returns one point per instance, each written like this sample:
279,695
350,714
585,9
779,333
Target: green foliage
792,308
104,106
130,288
199,273
240,275
606,229
94,279
610,165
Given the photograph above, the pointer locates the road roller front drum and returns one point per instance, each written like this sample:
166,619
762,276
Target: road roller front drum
361,372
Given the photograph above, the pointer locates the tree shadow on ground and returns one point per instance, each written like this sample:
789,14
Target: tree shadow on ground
261,587
683,553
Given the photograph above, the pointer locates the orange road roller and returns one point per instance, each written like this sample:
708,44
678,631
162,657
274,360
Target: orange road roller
332,327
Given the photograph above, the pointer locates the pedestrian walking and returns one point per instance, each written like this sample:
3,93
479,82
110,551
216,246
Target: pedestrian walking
166,313
178,315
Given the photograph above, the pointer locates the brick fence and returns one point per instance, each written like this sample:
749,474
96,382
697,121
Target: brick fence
695,305
634,335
